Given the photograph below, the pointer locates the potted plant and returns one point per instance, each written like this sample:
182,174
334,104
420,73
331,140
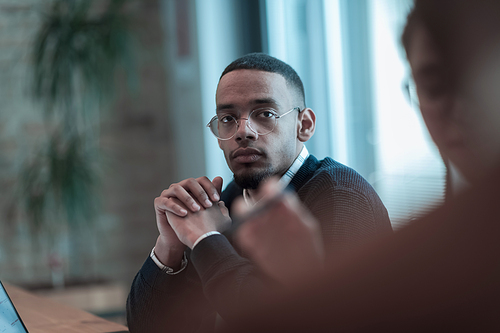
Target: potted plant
77,51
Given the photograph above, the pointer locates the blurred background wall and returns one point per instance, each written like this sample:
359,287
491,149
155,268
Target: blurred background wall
152,132
137,159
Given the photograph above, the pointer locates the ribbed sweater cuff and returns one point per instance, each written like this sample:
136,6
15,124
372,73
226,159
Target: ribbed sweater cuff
214,255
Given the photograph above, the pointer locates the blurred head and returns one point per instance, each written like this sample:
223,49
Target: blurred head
454,86
258,81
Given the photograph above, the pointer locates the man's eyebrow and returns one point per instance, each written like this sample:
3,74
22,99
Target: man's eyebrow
257,101
225,107
265,101
429,70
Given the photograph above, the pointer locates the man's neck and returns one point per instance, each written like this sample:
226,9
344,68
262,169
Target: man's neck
253,194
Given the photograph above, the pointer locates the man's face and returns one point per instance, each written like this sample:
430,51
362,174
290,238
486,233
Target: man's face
460,127
250,156
438,103
427,67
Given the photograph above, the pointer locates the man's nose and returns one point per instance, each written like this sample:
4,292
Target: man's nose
244,130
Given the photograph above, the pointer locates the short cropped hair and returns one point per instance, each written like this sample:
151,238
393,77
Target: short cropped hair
266,63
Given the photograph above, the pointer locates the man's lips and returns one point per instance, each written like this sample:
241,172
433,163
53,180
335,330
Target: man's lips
246,155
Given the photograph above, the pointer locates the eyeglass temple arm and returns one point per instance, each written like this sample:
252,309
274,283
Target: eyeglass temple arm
284,114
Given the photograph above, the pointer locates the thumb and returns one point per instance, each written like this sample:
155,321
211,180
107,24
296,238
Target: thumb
217,181
239,207
223,209
270,188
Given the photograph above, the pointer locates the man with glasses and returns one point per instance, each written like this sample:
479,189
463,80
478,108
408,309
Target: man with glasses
441,273
261,124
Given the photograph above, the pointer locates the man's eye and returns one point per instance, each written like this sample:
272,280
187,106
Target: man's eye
265,114
433,87
435,91
226,119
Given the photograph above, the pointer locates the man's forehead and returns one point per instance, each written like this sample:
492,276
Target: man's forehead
251,87
424,56
251,78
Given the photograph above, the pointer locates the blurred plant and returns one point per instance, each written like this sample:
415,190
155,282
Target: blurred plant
77,54
61,178
77,51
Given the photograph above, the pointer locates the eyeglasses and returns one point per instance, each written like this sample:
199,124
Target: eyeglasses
261,121
410,90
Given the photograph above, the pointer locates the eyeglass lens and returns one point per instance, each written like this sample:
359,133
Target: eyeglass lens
260,121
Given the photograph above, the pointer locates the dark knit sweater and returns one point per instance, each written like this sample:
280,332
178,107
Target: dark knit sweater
219,280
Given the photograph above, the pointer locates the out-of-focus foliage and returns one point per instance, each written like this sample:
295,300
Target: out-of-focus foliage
76,53
60,184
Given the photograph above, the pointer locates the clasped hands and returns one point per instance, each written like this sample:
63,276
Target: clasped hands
188,209
284,239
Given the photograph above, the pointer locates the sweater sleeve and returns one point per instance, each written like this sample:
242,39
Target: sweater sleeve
159,302
230,281
350,212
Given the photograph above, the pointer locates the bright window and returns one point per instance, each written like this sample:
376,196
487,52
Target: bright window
349,56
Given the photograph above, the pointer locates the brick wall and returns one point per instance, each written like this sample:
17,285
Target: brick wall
136,141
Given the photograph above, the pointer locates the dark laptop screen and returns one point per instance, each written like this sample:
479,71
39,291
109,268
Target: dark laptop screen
10,322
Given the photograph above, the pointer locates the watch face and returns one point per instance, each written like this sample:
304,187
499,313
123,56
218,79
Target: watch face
10,321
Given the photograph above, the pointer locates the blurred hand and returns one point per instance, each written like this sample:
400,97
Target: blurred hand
284,239
176,200
190,227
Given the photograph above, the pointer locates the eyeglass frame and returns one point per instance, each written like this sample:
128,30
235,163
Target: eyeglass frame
410,92
274,111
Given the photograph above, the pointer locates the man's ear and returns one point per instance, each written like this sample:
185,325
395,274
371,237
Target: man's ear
306,124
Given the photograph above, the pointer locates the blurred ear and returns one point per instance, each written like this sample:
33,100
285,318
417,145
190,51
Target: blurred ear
306,124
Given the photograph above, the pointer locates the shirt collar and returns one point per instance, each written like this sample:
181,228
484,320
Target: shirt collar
286,178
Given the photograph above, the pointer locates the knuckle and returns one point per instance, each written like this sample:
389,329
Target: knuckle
169,202
159,201
174,190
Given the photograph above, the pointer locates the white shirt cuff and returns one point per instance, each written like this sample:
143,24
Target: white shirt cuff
166,269
202,237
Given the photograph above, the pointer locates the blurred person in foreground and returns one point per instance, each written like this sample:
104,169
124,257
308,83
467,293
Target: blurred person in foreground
262,123
442,272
